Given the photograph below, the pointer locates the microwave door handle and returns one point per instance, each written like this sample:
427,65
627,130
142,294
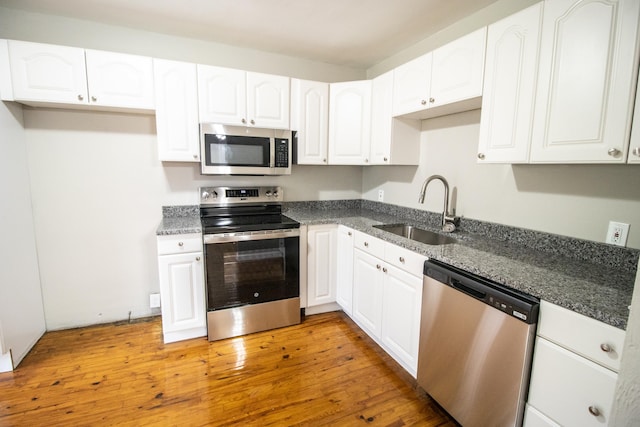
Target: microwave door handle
272,152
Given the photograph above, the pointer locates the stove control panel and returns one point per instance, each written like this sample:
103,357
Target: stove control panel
222,196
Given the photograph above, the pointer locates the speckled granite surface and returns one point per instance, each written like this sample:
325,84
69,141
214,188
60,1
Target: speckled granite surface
602,292
590,278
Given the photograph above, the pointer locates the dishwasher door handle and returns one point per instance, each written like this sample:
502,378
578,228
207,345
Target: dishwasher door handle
467,290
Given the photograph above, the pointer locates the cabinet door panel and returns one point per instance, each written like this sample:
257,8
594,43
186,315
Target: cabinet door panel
48,73
367,292
344,276
321,281
509,87
349,122
222,95
120,80
310,118
267,101
176,90
457,69
564,386
584,97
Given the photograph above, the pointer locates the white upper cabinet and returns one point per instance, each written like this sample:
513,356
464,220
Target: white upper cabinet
176,92
509,87
241,98
586,81
394,141
310,119
349,122
48,73
444,81
43,73
411,85
119,80
457,69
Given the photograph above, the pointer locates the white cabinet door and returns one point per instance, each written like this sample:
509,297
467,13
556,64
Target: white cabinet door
182,291
119,80
402,298
349,122
634,144
222,95
509,87
570,389
411,85
48,73
321,264
268,99
367,292
585,81
457,69
176,91
344,276
310,119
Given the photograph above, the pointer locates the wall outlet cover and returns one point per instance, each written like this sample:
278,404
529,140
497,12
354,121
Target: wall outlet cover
154,300
617,233
381,195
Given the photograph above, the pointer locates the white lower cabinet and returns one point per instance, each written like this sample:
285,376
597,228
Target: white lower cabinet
344,267
387,299
182,293
321,264
574,370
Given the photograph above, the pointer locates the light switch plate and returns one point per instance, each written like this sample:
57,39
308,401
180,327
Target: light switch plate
154,300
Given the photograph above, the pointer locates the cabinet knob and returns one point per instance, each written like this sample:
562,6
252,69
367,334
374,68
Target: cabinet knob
244,121
324,160
366,244
636,151
253,122
349,233
195,156
481,156
606,348
384,269
613,152
366,160
594,411
180,244
423,102
94,99
378,266
385,159
80,98
401,259
197,258
431,100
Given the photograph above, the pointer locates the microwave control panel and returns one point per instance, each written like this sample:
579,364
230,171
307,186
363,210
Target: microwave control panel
282,153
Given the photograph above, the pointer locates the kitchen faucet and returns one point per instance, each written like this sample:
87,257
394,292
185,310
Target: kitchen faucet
449,222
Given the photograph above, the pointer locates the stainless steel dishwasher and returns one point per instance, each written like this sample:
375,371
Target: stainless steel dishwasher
476,342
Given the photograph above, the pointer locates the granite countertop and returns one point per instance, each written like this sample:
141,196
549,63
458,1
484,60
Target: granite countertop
517,259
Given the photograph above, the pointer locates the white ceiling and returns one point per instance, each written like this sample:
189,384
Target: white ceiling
353,33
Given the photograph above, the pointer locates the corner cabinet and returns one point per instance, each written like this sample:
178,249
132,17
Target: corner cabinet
176,89
182,293
584,101
310,119
243,98
574,371
506,119
349,122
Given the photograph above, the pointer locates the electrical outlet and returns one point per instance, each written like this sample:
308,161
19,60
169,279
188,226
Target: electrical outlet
617,233
381,195
154,300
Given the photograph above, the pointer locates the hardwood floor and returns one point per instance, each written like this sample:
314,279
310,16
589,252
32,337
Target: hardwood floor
325,371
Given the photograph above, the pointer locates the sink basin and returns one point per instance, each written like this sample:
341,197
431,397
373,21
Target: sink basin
417,234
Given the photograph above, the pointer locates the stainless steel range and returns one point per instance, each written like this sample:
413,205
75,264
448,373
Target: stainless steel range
252,261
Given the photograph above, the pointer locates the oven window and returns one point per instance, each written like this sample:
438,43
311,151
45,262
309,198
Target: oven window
251,272
226,150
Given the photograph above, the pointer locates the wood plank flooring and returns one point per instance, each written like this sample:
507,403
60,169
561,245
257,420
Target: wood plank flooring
325,371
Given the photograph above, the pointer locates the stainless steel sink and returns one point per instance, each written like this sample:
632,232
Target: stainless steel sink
417,234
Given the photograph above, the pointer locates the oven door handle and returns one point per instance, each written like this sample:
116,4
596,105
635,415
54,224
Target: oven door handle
250,235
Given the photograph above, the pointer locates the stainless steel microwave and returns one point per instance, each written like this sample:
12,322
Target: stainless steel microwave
237,150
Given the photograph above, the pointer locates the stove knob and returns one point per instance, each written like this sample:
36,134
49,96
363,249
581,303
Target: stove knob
268,194
205,195
215,194
275,194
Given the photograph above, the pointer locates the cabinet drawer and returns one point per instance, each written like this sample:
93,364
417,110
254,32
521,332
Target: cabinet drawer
570,389
179,243
588,337
369,244
405,259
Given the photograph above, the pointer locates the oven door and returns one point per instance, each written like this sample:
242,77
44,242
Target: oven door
251,267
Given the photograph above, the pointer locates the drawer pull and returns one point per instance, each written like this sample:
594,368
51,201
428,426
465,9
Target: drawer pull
401,259
378,266
606,348
180,244
366,244
594,411
384,269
